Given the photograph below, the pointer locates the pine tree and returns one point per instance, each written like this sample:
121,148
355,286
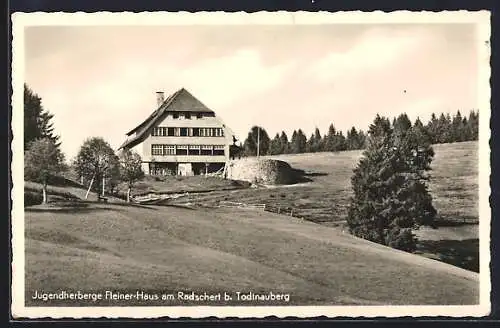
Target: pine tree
275,145
339,142
310,146
390,195
294,143
361,140
301,141
443,129
401,125
466,130
329,140
37,121
285,145
473,124
316,143
433,128
298,142
352,139
457,128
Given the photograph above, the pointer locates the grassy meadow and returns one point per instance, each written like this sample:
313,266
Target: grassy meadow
183,247
167,249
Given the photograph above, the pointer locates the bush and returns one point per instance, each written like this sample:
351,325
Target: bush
402,239
32,198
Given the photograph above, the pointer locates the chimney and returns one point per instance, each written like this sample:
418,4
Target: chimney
160,98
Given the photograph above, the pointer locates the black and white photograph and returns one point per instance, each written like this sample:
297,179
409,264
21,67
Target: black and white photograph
250,165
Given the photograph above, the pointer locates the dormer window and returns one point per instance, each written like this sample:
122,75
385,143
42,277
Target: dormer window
175,115
199,115
187,116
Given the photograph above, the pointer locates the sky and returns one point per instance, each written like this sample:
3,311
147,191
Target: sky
101,80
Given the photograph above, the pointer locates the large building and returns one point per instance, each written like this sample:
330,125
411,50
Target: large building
181,137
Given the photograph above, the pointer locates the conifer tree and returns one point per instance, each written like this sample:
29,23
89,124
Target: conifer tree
310,145
275,145
293,142
352,139
318,140
390,195
329,139
433,128
457,128
37,121
285,145
474,125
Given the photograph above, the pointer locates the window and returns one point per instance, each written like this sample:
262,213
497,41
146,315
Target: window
187,116
176,132
184,132
169,149
158,132
199,115
171,132
206,150
175,115
196,132
163,132
219,150
182,150
194,150
219,132
156,150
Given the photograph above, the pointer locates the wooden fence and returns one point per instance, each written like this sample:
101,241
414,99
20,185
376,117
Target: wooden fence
278,209
261,207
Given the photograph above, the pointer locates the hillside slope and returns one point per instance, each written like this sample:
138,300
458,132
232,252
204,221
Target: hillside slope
157,249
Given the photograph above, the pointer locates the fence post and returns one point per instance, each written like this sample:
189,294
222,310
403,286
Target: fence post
291,212
279,209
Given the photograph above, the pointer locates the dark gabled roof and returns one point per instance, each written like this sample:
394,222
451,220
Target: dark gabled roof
194,106
166,107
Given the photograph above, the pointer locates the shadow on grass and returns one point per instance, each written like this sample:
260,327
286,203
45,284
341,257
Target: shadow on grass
83,207
315,174
59,181
461,253
456,221
299,176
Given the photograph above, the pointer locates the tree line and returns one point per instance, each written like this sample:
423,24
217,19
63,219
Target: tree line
334,140
442,129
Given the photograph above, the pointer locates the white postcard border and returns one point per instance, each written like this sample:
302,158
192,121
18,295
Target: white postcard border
22,20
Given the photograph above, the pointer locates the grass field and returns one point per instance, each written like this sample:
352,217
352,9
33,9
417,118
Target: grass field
166,249
205,249
453,185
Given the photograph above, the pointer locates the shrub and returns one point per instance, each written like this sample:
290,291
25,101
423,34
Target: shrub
402,239
32,198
